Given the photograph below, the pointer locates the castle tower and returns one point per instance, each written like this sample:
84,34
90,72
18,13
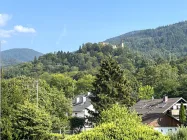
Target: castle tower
122,43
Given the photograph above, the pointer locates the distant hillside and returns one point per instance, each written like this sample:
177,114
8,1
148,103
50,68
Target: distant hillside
86,59
18,55
165,41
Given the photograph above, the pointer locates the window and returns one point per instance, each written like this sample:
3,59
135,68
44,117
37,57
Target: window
174,107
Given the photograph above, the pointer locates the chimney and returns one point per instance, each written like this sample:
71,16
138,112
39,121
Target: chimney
77,99
84,99
152,98
165,98
88,93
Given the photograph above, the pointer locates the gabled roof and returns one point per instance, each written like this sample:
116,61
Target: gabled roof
150,118
80,106
155,106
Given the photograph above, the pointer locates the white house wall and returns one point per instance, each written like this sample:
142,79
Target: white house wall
78,114
90,108
84,112
166,130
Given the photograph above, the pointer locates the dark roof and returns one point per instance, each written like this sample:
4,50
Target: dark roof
80,106
155,106
148,118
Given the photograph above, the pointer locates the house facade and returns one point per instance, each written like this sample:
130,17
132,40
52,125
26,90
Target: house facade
162,114
81,105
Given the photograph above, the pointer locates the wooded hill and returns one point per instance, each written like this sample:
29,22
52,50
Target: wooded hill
167,41
87,58
166,77
165,74
18,55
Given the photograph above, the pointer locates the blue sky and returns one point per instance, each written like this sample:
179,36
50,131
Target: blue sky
49,26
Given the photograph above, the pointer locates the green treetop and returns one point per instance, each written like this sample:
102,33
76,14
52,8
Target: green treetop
110,87
182,114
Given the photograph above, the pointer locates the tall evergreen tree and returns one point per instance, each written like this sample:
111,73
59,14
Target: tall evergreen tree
182,114
110,87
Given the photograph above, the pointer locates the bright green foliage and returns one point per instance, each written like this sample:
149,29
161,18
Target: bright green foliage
111,131
181,134
163,78
30,122
183,86
84,84
60,108
111,86
54,136
6,128
145,92
182,114
46,76
64,83
19,94
118,123
120,114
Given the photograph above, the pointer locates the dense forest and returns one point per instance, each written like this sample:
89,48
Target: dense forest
164,75
167,42
87,58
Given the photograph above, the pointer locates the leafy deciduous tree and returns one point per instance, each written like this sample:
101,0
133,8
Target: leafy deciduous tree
146,92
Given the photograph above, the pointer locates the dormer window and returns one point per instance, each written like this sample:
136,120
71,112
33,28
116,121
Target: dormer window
174,107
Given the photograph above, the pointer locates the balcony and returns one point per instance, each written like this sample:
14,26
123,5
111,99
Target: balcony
175,112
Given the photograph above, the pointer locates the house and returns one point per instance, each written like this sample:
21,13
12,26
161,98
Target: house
81,105
162,114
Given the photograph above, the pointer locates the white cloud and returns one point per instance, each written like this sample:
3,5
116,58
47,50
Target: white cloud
18,28
4,18
21,29
3,41
6,33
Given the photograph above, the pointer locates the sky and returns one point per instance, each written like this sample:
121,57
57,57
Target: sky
51,26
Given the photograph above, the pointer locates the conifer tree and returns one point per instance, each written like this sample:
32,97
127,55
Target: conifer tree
182,114
110,87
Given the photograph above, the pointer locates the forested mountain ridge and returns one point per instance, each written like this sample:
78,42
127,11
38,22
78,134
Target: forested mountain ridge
18,55
165,76
165,72
87,58
166,41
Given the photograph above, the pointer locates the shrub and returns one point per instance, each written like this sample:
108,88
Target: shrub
53,136
181,134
